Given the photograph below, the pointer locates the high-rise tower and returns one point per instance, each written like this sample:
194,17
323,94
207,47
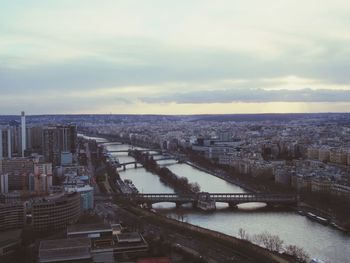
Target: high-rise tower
23,132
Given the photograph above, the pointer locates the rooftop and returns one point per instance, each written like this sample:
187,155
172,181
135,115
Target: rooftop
9,237
88,228
59,244
129,237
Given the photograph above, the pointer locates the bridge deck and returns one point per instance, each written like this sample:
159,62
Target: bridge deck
217,197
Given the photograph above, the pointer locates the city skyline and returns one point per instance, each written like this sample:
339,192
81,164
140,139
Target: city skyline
193,57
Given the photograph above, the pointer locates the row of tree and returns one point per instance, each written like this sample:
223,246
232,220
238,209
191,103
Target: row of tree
276,244
166,176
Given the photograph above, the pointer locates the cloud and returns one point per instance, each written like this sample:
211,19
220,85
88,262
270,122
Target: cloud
82,55
253,95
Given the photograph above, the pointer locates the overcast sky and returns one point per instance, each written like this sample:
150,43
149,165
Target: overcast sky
174,57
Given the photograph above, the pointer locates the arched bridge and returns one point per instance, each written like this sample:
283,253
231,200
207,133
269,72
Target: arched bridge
130,150
233,199
135,163
110,143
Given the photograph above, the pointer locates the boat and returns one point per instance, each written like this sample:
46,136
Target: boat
131,186
317,218
316,260
205,202
338,227
301,212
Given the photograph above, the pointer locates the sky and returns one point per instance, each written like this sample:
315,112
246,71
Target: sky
174,57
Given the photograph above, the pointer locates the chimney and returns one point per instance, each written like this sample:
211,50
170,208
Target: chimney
23,128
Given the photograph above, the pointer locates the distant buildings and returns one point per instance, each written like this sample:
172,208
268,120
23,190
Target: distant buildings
18,171
329,154
58,139
42,178
23,133
4,183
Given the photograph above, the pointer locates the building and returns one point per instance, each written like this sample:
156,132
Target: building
16,142
56,212
338,156
34,140
313,152
10,241
23,133
65,250
10,197
324,154
92,243
66,158
321,186
4,183
5,143
90,231
11,216
340,190
42,177
18,170
58,139
130,243
87,195
283,174
1,146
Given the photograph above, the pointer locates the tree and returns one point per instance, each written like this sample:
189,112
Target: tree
195,187
298,253
243,234
270,242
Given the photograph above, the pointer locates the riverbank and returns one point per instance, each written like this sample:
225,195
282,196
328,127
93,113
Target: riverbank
240,247
303,208
223,177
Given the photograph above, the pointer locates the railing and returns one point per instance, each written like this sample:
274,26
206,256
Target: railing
217,197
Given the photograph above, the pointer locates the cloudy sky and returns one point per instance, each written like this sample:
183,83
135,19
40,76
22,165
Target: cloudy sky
174,57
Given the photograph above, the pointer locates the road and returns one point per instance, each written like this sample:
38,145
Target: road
91,170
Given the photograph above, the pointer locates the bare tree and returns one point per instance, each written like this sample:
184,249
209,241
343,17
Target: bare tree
298,253
243,234
270,242
274,243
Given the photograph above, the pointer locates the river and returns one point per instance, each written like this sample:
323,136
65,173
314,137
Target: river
318,241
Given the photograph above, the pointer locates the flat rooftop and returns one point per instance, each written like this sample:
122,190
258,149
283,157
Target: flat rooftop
10,237
88,228
129,238
65,243
64,250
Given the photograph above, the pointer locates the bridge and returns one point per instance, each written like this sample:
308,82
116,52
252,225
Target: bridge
129,150
165,158
128,163
110,143
232,199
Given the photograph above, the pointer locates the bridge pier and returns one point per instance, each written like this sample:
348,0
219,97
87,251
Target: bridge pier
124,167
178,205
232,205
147,205
135,165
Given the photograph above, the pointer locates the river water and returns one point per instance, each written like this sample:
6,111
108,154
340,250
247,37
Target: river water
319,241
